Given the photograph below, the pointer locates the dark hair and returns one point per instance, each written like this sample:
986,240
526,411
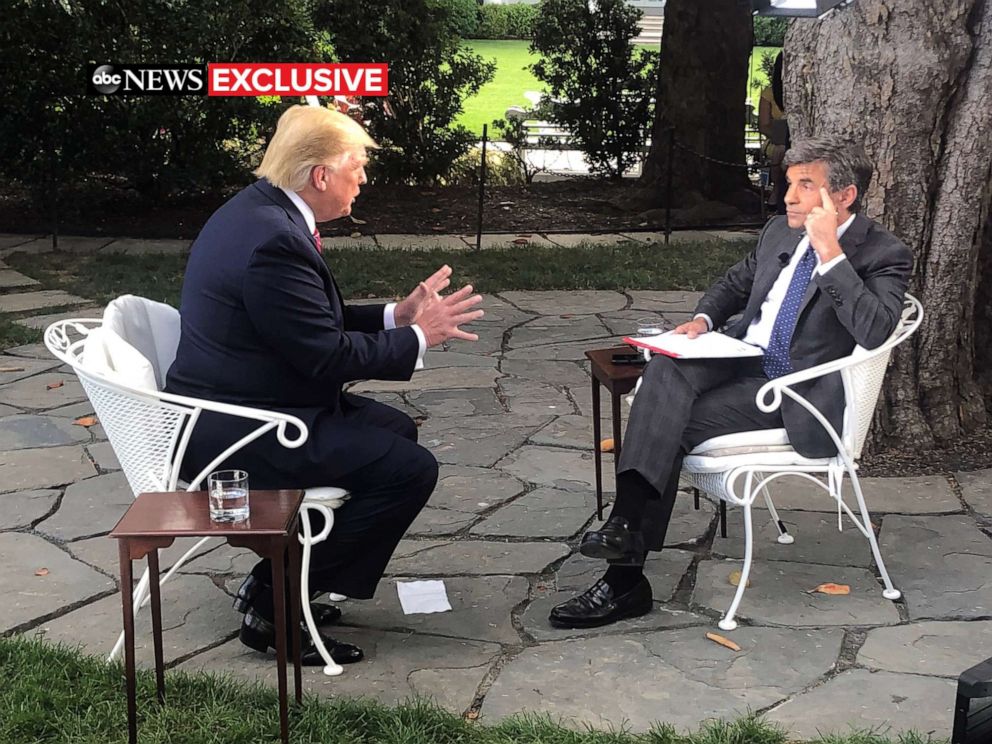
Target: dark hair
777,92
847,164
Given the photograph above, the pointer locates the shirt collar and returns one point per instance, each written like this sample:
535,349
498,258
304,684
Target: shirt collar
803,243
303,207
841,229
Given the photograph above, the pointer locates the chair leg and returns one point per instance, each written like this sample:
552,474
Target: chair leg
332,668
695,498
784,537
890,592
723,518
728,622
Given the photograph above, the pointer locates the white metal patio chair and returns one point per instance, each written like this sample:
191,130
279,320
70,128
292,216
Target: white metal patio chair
736,468
149,430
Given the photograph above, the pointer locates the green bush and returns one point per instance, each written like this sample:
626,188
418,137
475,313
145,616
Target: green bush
464,17
55,136
430,75
599,86
501,169
769,31
506,21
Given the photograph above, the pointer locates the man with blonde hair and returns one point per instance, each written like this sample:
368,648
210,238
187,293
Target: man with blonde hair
264,325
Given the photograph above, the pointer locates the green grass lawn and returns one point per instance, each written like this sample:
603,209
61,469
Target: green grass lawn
54,695
513,77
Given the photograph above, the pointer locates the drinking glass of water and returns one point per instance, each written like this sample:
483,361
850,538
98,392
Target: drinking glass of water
649,326
228,494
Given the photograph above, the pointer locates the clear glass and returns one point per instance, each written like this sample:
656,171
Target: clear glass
649,326
228,494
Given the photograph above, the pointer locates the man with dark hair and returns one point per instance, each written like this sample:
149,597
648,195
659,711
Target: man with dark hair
822,279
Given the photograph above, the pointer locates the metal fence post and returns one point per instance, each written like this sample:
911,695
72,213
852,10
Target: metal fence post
668,185
482,186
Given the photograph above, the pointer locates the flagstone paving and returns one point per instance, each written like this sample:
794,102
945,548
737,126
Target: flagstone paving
508,418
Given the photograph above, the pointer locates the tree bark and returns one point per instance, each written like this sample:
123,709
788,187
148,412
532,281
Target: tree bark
912,81
702,86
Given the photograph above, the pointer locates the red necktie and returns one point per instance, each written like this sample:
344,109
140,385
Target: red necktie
316,237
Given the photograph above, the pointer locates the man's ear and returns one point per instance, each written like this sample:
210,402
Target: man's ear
318,177
848,195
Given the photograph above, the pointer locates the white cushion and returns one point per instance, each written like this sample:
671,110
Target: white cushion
329,496
107,354
150,327
744,443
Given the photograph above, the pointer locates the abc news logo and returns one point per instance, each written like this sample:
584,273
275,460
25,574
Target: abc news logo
155,80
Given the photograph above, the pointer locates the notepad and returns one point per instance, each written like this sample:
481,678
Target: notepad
713,345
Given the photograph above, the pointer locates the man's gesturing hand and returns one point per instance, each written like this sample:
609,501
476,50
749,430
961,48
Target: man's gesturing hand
439,317
821,227
406,311
693,328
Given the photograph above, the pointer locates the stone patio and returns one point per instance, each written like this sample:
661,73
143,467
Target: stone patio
508,418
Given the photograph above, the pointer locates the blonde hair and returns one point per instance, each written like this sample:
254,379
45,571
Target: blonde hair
307,136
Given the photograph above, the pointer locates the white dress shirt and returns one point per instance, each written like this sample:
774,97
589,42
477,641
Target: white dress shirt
388,312
760,331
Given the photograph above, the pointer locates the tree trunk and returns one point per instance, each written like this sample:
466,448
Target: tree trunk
702,86
912,81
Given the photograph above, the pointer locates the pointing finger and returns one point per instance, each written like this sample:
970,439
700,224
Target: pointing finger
828,203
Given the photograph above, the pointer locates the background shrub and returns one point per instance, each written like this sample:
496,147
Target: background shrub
769,31
54,135
430,75
506,21
599,86
464,17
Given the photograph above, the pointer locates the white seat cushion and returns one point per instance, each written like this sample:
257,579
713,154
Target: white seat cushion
764,447
744,443
329,496
105,353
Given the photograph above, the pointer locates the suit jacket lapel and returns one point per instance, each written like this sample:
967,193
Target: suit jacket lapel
283,201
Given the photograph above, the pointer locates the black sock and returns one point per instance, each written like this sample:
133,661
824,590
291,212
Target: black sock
633,493
623,578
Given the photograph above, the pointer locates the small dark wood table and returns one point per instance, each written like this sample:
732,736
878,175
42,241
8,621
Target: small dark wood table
155,520
618,379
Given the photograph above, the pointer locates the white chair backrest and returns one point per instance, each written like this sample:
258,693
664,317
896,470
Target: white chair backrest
143,429
150,327
863,380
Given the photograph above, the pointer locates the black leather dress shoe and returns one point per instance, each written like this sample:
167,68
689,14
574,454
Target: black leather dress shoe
259,634
597,606
614,541
251,587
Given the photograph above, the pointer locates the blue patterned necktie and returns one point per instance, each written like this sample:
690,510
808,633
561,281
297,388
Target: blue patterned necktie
776,361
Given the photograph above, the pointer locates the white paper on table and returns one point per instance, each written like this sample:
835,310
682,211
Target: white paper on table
712,345
422,597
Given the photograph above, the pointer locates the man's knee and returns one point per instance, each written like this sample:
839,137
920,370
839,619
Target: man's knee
660,369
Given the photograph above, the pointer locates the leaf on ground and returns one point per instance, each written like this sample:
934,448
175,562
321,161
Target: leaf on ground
606,445
356,235
830,588
54,385
735,579
472,715
522,241
566,316
358,221
41,572
726,642
86,421
11,369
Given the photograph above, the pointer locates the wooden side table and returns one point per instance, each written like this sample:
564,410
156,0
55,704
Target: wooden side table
155,520
618,379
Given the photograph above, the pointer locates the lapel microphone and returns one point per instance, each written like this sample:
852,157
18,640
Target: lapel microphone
783,259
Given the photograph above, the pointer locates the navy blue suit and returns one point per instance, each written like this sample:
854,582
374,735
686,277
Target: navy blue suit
264,325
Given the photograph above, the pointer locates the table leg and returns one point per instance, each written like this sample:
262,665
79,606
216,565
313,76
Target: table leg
294,611
156,597
127,601
597,455
616,428
279,597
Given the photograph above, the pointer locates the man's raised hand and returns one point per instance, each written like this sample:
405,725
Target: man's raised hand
440,317
821,227
408,309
